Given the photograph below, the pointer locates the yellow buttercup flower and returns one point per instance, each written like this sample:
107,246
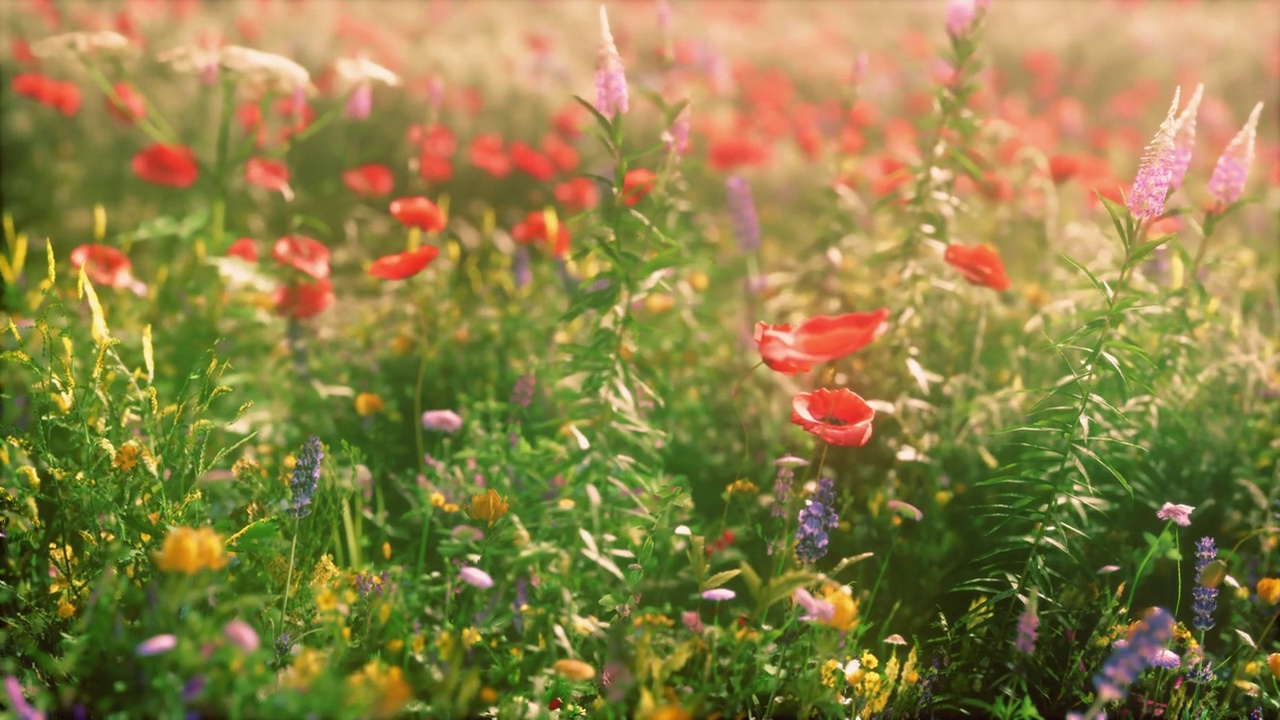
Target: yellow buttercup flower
1273,662
487,506
845,617
368,404
127,456
1269,590
189,551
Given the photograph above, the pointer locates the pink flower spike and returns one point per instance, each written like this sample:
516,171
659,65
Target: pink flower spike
1180,514
18,701
476,577
157,645
1229,175
1184,139
1155,171
611,79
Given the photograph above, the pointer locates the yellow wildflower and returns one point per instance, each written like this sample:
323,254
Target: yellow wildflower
450,507
395,645
470,637
488,695
832,673
126,458
845,617
575,670
189,551
437,500
487,506
671,712
401,344
744,487
384,682
566,503
659,302
699,281
368,404
1269,590
1273,662
66,609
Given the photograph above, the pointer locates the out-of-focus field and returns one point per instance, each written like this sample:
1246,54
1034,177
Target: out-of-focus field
391,371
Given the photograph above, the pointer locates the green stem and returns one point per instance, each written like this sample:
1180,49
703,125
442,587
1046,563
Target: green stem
1133,590
422,541
353,547
288,582
884,566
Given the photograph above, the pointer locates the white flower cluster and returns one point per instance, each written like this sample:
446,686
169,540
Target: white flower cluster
255,67
75,44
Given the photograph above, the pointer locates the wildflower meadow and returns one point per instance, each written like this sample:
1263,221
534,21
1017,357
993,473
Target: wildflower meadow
654,359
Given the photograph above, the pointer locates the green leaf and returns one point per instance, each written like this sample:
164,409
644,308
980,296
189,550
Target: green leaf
719,579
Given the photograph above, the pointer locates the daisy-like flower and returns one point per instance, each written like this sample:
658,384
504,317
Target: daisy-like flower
1179,514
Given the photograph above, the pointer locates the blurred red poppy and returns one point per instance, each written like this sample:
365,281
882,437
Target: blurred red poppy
486,154
636,185
22,52
439,141
839,417
979,264
303,254
731,152
245,249
128,105
818,339
304,299
104,265
171,165
560,152
269,174
567,121
418,212
533,229
433,169
61,96
578,194
1063,167
403,265
531,162
371,180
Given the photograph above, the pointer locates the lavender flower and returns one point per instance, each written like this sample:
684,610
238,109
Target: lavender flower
1155,171
21,708
611,79
815,519
1204,598
1202,675
1131,657
522,393
1227,182
1184,139
306,478
742,210
782,490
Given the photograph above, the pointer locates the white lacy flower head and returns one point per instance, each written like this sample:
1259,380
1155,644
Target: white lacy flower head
74,44
361,69
264,69
188,59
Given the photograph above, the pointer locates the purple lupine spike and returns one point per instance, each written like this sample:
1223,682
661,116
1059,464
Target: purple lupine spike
815,519
1154,173
611,79
1184,139
306,478
1142,650
1229,175
742,209
1204,598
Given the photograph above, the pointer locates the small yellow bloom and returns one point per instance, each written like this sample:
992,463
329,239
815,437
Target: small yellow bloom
470,636
671,712
659,303
418,643
386,551
450,507
487,506
437,500
189,551
66,609
744,487
1269,590
699,281
126,457
566,503
1273,662
845,617
401,344
368,404
575,670
395,645
488,695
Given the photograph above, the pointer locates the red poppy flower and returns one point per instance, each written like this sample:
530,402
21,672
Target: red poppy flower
433,169
270,174
979,264
303,254
104,264
840,417
1063,167
560,152
22,52
533,229
531,162
171,165
369,180
403,265
303,300
418,212
818,339
487,155
245,249
567,121
438,140
578,194
636,185
731,152
127,105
